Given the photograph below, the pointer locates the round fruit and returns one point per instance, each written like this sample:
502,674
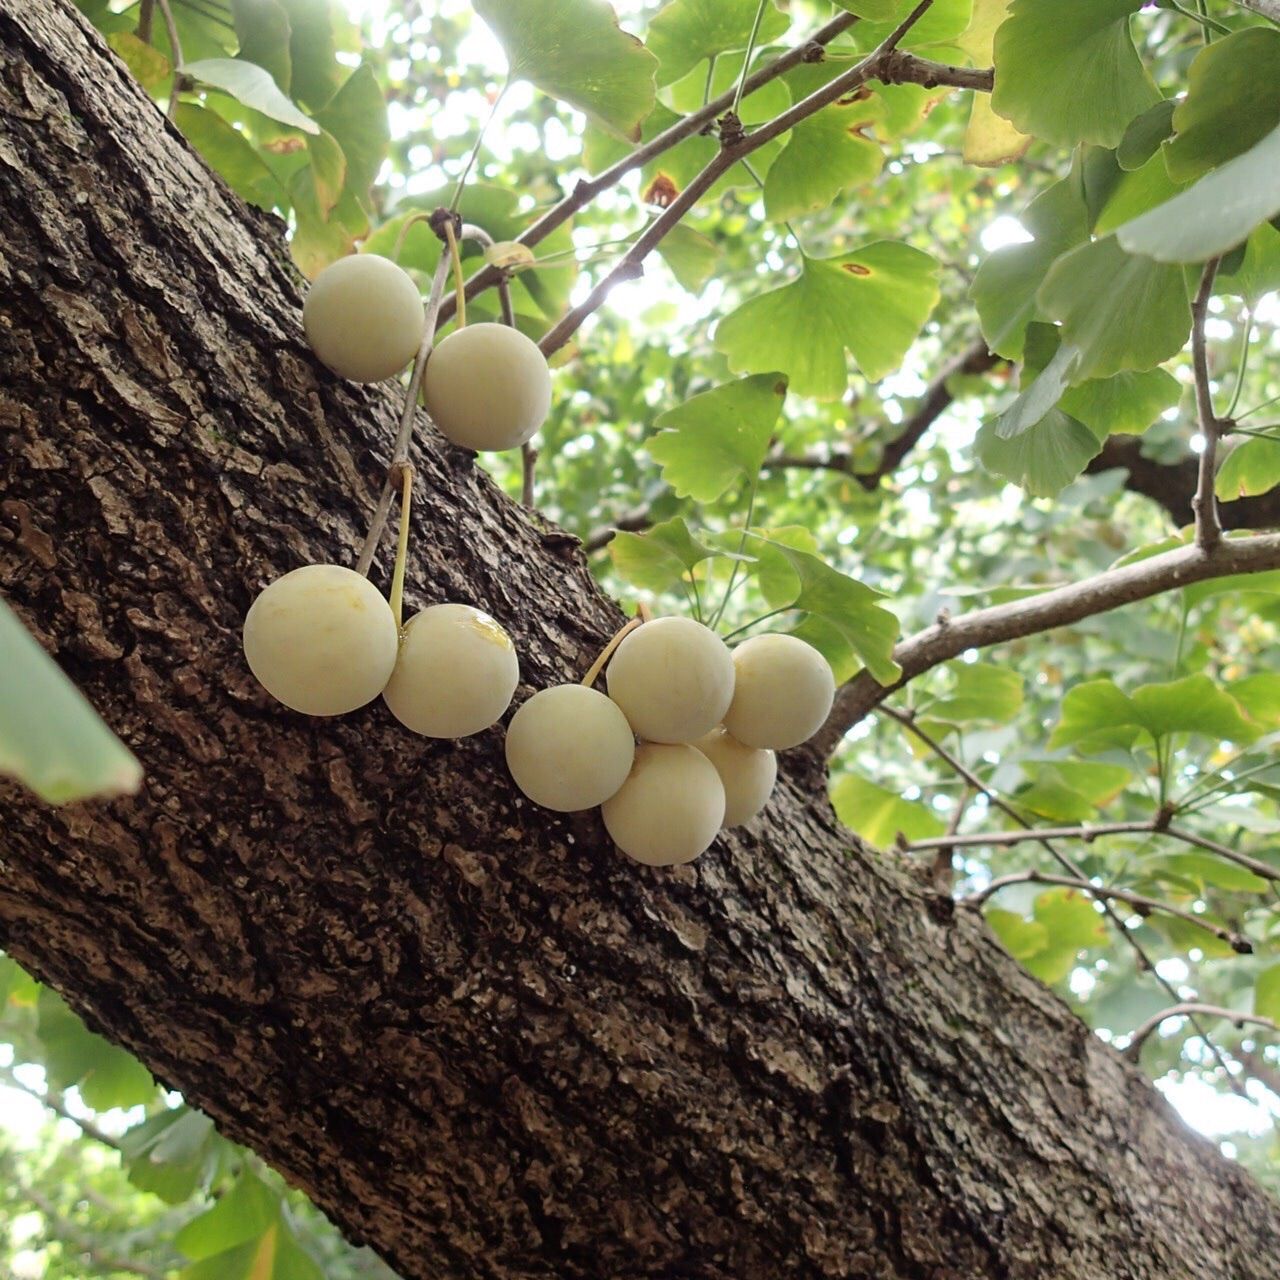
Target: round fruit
364,317
455,675
747,773
783,692
322,640
670,807
487,387
569,748
673,679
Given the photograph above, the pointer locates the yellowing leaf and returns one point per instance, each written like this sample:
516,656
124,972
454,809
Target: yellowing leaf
990,139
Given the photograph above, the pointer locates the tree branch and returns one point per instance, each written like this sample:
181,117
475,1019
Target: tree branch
936,401
1059,607
1268,8
80,1241
1141,1035
1088,832
1205,503
58,1105
690,126
997,801
884,63
1236,941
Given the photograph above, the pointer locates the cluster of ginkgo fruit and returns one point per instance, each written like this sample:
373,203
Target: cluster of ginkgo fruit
323,640
709,720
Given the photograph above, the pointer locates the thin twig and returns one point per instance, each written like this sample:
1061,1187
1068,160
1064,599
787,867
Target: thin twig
146,16
729,155
1268,8
79,1240
1145,962
1088,833
1034,615
1205,503
528,473
56,1103
1185,1010
175,52
631,522
1236,941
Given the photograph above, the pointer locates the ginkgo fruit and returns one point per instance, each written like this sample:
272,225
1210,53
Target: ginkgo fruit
673,679
455,674
670,807
569,748
487,387
364,317
321,639
783,691
747,774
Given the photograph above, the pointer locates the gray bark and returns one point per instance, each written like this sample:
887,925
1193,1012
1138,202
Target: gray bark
483,1041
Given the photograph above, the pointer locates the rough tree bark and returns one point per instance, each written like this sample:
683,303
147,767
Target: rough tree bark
483,1041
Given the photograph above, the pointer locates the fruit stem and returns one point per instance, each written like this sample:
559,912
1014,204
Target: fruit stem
405,435
402,549
459,283
607,652
401,451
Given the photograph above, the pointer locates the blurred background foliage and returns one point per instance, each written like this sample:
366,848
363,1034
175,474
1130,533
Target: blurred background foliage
105,1173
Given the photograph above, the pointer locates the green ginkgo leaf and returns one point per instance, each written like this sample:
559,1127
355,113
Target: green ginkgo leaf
1251,468
1098,714
871,302
51,739
660,558
718,438
847,616
824,155
685,32
1005,288
1216,214
879,815
1043,458
1232,102
252,86
575,51
1121,310
1069,73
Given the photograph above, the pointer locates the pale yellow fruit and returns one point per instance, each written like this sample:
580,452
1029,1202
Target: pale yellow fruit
782,694
569,748
321,639
673,679
455,675
487,387
670,807
747,774
364,317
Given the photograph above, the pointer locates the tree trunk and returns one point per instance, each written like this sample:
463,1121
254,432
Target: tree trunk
481,1039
